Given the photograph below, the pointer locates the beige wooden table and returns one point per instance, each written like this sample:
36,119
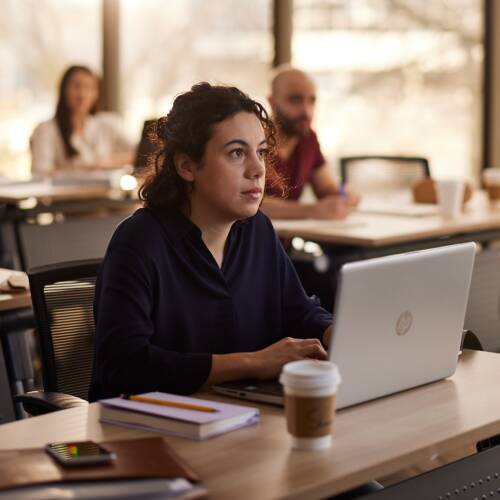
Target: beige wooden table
15,193
372,440
375,230
79,185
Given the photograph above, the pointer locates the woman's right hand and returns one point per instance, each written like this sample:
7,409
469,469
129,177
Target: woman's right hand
267,363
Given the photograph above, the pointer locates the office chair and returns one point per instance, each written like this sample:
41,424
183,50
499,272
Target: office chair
382,174
63,297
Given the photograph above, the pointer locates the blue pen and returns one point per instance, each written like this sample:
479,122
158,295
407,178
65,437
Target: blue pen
341,191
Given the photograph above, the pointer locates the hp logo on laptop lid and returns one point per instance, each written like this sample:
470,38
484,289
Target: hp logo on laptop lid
404,322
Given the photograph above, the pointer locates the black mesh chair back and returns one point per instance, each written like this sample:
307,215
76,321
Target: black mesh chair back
382,174
63,296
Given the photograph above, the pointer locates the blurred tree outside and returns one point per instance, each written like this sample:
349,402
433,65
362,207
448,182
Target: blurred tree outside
396,77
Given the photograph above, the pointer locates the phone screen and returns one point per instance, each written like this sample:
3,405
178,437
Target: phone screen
82,452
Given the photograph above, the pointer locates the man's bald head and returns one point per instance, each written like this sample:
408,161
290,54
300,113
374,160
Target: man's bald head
285,76
293,96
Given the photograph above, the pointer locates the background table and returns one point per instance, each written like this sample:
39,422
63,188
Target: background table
379,234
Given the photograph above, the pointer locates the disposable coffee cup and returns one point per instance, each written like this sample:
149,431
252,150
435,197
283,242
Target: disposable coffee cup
450,194
491,179
310,388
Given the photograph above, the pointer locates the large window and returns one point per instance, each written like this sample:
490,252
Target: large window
38,39
396,76
166,47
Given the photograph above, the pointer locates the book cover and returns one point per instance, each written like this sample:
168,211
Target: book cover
138,463
176,420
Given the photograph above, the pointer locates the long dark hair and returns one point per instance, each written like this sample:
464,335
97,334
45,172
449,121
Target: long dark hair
63,113
186,129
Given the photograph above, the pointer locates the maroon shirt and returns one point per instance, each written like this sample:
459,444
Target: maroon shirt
299,167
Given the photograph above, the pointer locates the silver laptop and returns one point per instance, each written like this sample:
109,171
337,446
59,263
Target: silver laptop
398,324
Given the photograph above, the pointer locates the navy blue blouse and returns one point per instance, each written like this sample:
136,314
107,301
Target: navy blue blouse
163,306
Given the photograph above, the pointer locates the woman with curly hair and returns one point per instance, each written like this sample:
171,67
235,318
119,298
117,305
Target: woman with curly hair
195,287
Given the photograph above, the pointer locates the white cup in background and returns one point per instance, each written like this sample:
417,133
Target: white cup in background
310,388
450,194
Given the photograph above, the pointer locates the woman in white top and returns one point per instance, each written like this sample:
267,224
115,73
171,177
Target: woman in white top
79,136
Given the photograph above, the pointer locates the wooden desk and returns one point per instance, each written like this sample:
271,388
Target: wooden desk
375,231
372,440
12,194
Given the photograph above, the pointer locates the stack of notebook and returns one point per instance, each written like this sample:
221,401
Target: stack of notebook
177,415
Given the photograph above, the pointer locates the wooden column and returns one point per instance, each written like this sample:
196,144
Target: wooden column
282,28
111,55
491,149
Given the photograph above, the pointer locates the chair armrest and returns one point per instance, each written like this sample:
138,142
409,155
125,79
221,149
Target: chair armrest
40,402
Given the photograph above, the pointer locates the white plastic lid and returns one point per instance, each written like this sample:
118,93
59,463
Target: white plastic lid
310,374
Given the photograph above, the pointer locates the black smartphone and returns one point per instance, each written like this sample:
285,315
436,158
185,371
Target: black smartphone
79,453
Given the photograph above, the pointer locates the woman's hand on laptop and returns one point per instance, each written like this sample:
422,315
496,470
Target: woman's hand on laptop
267,363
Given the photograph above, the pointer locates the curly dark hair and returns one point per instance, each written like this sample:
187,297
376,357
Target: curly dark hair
63,113
186,129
